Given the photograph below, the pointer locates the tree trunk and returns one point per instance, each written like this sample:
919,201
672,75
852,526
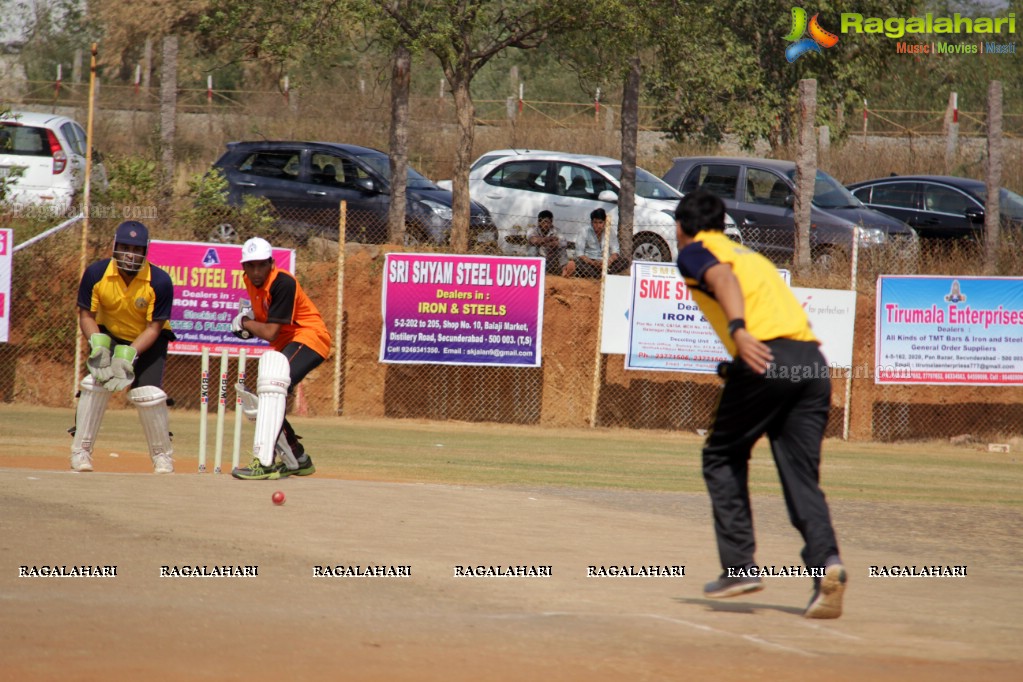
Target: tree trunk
806,173
992,212
168,110
465,112
630,135
398,151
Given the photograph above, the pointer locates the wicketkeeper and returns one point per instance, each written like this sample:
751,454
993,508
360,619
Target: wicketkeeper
124,308
280,312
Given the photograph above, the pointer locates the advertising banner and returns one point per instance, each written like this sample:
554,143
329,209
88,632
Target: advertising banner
207,287
462,310
949,330
669,333
6,268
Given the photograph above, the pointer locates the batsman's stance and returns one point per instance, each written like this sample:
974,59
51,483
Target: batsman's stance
124,308
763,327
280,312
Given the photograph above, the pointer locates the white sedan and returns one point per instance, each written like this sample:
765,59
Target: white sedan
515,185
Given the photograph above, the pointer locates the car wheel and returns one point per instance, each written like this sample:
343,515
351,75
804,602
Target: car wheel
223,233
830,258
650,247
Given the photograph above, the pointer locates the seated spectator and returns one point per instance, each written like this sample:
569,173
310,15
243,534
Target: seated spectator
589,263
544,240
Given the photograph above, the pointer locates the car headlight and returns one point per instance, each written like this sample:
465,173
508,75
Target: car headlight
870,236
441,213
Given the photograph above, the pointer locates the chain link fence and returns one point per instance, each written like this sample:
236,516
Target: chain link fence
575,384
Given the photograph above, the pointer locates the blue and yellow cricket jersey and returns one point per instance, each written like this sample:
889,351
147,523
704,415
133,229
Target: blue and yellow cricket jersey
772,310
125,310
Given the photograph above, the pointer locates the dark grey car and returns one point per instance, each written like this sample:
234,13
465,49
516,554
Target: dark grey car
306,182
938,206
759,195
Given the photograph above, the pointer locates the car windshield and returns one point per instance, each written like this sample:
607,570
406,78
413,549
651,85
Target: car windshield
382,165
1011,204
648,185
829,192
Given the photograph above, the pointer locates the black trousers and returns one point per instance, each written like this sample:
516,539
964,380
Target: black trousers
302,360
790,404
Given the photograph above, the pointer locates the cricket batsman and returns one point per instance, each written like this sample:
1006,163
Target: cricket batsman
281,313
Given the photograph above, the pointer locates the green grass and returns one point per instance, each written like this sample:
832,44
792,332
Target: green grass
502,455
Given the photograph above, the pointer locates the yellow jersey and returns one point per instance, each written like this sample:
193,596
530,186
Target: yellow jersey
771,309
122,309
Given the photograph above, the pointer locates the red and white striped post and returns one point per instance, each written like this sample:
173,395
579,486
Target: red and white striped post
209,90
287,90
56,85
138,78
596,107
520,97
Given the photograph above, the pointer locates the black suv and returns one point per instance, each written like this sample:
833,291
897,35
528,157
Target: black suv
306,182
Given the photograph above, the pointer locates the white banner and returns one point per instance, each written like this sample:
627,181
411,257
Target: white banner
667,331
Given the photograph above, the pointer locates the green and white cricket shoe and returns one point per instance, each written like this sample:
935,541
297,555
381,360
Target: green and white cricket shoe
257,472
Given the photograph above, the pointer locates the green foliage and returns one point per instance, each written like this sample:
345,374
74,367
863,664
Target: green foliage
133,180
211,218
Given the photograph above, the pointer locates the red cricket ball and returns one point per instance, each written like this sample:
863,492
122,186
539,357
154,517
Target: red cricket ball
278,497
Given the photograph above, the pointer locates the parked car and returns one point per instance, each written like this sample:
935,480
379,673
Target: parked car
515,185
759,194
42,159
938,206
306,181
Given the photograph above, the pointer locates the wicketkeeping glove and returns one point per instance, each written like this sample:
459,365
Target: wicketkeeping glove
99,358
123,369
244,311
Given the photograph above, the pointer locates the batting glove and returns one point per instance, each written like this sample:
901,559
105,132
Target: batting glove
123,369
99,358
244,312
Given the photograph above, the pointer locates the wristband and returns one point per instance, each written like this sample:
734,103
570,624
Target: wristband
735,325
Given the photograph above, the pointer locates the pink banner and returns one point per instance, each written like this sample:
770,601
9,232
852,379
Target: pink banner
207,287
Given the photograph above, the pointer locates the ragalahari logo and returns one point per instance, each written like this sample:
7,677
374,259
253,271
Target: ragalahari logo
818,36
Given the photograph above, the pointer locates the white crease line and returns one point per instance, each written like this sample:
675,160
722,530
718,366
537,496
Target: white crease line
750,638
836,633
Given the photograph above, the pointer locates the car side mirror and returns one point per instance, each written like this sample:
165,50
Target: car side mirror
790,201
975,215
366,185
608,196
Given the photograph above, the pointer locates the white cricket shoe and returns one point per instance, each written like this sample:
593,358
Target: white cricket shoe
81,461
163,464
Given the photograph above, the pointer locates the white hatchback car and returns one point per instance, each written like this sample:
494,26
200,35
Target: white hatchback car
42,159
515,185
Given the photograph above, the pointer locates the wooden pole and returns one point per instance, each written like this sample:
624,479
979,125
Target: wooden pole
86,198
339,313
595,389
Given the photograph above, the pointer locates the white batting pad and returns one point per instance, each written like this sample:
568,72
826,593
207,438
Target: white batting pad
272,392
152,405
250,403
92,403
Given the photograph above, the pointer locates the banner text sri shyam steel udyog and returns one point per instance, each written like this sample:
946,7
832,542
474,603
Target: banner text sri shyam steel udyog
462,310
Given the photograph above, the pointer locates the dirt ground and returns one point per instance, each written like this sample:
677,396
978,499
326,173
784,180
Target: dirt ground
287,624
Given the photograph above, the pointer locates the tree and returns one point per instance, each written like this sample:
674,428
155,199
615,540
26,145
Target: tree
729,72
464,35
632,33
